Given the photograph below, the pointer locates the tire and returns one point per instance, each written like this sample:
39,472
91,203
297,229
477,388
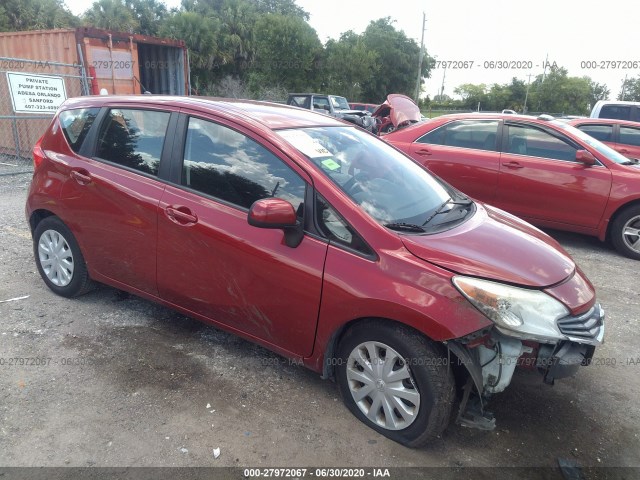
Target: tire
422,395
59,259
625,232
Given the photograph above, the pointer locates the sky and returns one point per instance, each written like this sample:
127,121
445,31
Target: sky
593,38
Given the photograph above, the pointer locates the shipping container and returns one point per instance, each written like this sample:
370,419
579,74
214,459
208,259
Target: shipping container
122,63
80,61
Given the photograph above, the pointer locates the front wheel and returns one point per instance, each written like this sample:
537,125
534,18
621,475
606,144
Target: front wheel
396,381
390,127
625,232
59,260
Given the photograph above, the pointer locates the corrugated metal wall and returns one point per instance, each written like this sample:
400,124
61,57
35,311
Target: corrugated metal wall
52,45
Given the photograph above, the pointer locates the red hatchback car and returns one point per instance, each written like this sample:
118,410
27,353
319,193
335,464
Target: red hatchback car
314,239
542,170
621,135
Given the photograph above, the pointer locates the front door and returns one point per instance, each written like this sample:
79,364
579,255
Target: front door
541,181
212,262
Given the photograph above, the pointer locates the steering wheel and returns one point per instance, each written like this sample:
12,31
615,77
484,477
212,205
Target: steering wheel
354,184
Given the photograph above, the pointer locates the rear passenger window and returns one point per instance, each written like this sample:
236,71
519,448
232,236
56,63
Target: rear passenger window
475,134
228,165
630,136
76,124
133,138
604,133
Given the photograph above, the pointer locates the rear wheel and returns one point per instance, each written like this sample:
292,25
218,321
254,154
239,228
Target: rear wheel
625,232
59,260
396,381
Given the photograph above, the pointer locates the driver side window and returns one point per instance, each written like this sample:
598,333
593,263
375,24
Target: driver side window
535,142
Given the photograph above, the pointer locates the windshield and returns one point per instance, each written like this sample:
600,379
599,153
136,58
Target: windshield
388,186
339,103
605,150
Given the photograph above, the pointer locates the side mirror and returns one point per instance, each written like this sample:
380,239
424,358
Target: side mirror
585,157
277,213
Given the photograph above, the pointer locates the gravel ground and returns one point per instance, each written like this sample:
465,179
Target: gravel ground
130,383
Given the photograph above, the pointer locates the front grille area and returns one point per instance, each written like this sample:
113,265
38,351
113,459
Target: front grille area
586,326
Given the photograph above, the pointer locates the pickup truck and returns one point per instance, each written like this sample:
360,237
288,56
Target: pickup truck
333,105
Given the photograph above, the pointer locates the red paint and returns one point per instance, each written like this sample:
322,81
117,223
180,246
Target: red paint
272,212
201,256
564,195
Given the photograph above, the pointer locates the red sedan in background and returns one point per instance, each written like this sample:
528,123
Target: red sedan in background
621,135
541,169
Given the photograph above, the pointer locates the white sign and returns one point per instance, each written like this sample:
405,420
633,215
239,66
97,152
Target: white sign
36,93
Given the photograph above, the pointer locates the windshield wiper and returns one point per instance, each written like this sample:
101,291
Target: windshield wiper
437,211
463,201
407,227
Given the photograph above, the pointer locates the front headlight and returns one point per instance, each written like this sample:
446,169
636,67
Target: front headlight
518,312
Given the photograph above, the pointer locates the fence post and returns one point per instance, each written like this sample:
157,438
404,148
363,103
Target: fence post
16,138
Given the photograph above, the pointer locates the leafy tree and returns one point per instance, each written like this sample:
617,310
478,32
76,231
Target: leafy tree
18,15
238,20
347,62
472,95
4,21
397,60
149,13
630,90
200,34
111,15
559,93
282,7
286,51
598,91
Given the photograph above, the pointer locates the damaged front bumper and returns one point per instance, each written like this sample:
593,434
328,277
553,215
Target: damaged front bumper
491,359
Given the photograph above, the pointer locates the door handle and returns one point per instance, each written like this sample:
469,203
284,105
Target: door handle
512,165
623,151
81,176
423,152
181,215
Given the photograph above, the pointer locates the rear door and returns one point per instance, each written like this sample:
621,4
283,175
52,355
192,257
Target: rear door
465,154
541,181
212,262
629,141
113,189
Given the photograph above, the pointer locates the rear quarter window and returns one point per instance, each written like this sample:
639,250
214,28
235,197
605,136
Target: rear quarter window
76,124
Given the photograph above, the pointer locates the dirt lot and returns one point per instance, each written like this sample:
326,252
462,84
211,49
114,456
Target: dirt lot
130,383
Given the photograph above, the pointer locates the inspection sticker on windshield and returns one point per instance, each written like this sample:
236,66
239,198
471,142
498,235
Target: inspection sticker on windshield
331,164
306,144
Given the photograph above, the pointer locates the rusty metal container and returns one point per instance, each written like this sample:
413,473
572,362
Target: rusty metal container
122,63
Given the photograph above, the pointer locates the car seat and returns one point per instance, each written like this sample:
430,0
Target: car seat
518,145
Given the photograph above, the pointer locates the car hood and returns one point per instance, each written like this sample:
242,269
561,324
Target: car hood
402,109
498,246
